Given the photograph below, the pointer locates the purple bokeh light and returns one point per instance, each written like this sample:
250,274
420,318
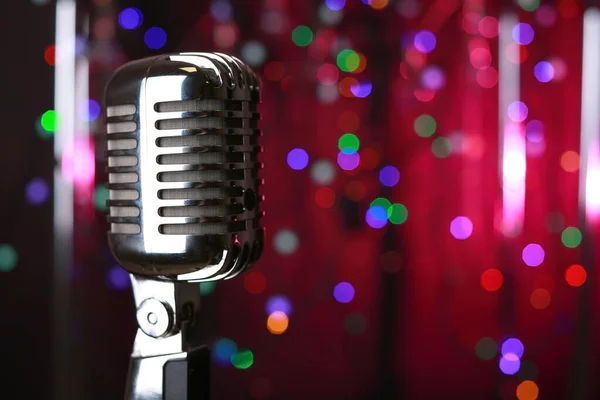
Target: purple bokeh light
297,159
376,217
433,78
389,176
221,10
424,41
509,364
533,255
131,18
407,39
89,110
512,346
543,71
362,89
343,292
461,227
335,5
523,33
517,111
117,278
534,131
278,303
37,191
348,162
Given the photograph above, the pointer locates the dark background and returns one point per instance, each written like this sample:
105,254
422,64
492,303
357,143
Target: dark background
415,327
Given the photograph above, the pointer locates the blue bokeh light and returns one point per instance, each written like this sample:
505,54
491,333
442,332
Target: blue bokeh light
155,38
376,217
131,18
223,349
389,176
117,278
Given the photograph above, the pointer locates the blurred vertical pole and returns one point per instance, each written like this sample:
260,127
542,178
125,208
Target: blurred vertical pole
589,200
64,100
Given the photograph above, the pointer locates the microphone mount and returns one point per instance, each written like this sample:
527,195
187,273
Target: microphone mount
164,364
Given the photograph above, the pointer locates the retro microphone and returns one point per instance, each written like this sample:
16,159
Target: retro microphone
184,205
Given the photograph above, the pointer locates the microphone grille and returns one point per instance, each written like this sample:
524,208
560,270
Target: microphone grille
183,163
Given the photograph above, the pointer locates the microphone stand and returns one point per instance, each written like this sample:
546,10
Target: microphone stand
164,365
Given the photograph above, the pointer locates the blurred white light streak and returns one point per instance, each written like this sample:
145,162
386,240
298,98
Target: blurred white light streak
589,173
512,139
64,105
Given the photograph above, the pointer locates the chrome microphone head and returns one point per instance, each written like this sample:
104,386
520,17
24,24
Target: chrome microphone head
182,138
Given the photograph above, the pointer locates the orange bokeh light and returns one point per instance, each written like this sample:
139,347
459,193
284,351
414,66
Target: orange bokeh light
277,323
540,299
569,161
527,390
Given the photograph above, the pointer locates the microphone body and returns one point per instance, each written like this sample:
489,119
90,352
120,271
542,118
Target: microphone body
184,204
183,163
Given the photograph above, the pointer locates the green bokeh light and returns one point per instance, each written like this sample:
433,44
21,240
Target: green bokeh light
486,348
425,125
348,60
381,202
101,194
441,147
302,35
242,359
8,258
571,237
207,287
397,213
50,121
529,5
349,143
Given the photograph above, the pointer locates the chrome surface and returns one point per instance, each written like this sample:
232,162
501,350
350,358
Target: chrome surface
166,312
182,139
146,377
184,194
